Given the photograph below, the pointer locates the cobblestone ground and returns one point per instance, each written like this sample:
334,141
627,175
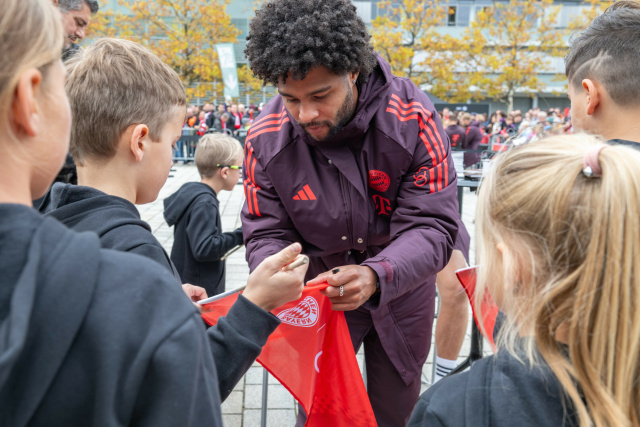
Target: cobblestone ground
244,405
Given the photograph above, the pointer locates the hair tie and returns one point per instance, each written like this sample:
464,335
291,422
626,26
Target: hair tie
591,162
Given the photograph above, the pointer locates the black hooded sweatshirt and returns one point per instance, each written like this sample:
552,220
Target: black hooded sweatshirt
90,336
198,240
116,220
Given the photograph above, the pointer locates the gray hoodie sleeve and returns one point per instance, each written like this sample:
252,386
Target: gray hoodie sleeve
237,340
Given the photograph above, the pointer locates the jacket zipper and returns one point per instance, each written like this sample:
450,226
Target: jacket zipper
346,200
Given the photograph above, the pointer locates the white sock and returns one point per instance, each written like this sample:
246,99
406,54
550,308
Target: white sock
443,367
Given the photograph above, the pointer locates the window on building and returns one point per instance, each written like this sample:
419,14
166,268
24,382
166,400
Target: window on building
464,15
363,9
451,18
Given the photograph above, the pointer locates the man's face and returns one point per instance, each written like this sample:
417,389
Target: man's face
322,103
221,108
234,108
75,23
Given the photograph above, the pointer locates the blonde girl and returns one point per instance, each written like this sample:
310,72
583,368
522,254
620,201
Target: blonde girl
559,242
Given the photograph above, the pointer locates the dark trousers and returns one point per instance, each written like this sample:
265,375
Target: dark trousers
392,400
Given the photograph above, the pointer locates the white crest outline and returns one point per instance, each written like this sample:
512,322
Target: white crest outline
291,316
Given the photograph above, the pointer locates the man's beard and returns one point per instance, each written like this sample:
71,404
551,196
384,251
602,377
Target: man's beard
342,118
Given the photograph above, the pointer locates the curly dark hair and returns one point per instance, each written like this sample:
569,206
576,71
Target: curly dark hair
292,36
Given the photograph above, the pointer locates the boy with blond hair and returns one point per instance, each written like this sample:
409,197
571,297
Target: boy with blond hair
193,211
128,109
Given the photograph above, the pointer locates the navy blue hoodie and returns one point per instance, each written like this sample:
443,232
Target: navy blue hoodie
116,220
198,240
497,391
90,336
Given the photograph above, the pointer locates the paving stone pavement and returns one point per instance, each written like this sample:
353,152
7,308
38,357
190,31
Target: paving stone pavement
243,407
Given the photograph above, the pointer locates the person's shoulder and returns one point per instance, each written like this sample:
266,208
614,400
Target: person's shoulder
403,89
444,403
405,112
131,283
271,132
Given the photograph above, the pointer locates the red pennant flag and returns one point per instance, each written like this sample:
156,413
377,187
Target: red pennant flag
311,354
467,276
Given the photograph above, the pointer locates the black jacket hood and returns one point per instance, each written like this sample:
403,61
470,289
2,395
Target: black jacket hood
24,302
176,205
88,209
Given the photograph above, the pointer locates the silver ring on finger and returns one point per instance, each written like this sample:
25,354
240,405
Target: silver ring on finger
341,290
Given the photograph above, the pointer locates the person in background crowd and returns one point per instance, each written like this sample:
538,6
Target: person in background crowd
202,127
221,125
472,140
208,110
454,131
445,114
192,117
215,116
76,16
517,121
235,119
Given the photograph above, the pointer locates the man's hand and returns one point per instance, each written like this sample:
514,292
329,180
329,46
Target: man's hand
196,293
269,286
358,284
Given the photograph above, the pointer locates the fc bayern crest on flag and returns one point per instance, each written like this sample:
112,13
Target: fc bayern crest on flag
304,314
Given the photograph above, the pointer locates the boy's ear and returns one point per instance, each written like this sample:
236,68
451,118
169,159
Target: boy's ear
25,109
139,137
593,91
224,172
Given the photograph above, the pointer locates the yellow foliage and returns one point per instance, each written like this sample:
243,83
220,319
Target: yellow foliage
406,35
509,44
183,33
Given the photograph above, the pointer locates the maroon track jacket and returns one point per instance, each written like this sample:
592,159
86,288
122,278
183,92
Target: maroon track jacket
381,193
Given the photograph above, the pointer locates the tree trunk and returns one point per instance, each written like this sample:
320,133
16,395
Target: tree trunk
510,99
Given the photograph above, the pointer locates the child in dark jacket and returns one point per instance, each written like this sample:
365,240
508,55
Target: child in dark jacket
199,243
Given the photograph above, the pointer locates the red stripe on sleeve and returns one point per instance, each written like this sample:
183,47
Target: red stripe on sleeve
266,130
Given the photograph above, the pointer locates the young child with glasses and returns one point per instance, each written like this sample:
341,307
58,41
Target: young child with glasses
194,212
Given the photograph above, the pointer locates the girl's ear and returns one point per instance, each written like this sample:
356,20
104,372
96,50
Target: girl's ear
25,108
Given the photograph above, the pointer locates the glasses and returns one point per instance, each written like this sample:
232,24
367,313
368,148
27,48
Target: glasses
230,167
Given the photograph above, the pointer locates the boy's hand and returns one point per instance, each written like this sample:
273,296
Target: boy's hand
269,286
196,293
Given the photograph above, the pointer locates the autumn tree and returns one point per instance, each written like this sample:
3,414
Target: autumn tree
183,33
591,9
509,44
407,35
